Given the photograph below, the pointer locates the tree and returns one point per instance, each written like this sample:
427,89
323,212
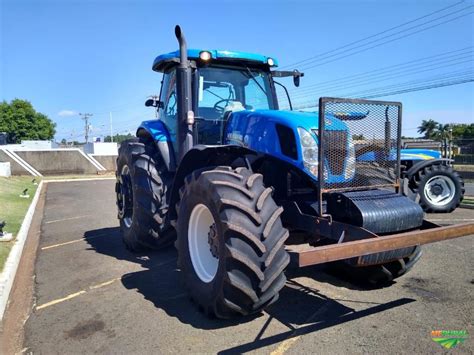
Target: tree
119,138
21,122
463,131
427,127
441,134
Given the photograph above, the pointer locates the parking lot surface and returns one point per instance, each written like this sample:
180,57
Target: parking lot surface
93,296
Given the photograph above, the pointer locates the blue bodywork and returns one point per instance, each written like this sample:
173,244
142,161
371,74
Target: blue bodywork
157,130
419,154
162,60
256,130
405,154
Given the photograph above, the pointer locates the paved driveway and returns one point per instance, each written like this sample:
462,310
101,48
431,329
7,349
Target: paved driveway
92,296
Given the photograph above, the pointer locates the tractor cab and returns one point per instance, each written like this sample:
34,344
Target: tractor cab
222,82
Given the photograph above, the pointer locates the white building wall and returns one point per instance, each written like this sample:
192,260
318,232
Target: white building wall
101,148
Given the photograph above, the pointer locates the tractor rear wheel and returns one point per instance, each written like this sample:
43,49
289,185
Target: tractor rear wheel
142,190
230,242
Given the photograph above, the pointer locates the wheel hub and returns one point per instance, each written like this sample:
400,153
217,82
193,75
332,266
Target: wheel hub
125,197
440,190
213,241
437,189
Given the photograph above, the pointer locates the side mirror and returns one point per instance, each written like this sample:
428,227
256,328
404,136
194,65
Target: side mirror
153,103
296,77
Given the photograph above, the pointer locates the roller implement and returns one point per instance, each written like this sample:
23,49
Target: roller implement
241,187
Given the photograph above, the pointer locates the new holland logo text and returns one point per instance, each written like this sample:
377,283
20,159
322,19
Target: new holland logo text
449,338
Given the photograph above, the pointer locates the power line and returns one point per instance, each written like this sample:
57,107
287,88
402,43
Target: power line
407,84
375,80
380,44
372,36
399,91
413,82
427,87
417,63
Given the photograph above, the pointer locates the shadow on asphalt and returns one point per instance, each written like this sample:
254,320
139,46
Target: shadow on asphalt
302,309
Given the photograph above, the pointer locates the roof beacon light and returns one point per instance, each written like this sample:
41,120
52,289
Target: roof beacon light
205,56
270,62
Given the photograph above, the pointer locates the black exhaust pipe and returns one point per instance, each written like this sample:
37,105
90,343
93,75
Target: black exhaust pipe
184,90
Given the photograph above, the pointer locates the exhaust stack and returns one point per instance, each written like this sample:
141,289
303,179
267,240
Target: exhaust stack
184,90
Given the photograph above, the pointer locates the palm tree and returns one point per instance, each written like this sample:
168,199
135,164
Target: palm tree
441,134
428,128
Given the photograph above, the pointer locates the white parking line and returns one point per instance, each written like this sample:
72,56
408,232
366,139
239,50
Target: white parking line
67,219
92,287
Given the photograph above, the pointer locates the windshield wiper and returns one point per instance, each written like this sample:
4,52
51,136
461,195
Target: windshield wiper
251,76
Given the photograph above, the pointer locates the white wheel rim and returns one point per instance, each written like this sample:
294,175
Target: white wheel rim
443,183
204,263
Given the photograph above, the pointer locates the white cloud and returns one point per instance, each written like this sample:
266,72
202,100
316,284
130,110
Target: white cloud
67,113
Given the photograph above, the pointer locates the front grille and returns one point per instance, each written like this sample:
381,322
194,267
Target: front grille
336,141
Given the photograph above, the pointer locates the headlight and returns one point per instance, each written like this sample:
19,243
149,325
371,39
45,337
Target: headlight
309,147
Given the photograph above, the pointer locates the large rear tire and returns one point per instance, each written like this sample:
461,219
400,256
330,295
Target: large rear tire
230,242
142,193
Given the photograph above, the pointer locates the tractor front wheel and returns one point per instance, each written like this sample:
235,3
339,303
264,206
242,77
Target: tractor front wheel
440,188
141,190
230,242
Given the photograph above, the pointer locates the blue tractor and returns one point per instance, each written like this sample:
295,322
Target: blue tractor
240,187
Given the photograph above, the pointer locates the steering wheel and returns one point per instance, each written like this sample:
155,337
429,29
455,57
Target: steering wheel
221,108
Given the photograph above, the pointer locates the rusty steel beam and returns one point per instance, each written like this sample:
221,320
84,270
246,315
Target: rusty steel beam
333,252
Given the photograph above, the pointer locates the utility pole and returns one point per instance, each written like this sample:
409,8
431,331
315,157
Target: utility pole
85,117
111,131
450,156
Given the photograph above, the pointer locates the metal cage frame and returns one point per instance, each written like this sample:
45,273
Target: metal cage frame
323,101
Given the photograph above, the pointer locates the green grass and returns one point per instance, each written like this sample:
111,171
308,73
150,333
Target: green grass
13,208
468,201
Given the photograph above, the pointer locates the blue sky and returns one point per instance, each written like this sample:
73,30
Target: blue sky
95,56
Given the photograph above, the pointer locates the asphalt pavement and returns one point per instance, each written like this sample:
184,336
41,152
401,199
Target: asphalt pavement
93,296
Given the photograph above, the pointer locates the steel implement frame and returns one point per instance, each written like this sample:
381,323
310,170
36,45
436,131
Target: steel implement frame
351,249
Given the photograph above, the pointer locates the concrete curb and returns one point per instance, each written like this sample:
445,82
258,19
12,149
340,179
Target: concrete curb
7,276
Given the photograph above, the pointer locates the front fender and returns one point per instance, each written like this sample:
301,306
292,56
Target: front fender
417,166
201,156
157,131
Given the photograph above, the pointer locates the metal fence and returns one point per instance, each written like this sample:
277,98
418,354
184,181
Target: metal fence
359,144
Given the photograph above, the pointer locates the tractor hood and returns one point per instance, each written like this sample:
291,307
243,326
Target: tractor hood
277,133
292,119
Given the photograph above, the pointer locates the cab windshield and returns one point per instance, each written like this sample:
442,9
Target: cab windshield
223,90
